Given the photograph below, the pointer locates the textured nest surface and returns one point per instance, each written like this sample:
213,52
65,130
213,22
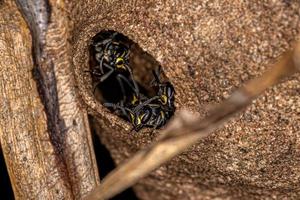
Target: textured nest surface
207,50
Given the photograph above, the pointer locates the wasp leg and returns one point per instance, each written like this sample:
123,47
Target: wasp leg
133,86
122,108
100,60
105,76
102,79
99,54
128,51
160,122
137,91
98,46
101,65
113,35
115,106
147,102
125,54
105,41
111,105
156,73
109,41
120,78
95,86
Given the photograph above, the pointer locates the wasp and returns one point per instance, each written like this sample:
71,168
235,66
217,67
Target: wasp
142,111
165,91
112,56
111,69
146,114
112,59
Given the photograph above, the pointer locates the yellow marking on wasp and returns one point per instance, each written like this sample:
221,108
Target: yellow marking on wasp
132,117
143,115
162,114
120,59
139,121
123,54
134,100
164,99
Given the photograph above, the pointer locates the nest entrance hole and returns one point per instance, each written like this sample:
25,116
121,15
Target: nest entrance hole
141,63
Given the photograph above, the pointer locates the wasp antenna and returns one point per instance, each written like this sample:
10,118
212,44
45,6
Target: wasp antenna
95,86
113,105
156,74
145,103
114,35
109,104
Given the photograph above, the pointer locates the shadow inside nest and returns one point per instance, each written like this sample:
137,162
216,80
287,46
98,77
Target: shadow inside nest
5,184
130,82
113,56
106,164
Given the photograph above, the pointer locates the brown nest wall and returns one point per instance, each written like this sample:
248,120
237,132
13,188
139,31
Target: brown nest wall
207,49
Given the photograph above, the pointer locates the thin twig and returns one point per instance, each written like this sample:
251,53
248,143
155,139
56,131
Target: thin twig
186,129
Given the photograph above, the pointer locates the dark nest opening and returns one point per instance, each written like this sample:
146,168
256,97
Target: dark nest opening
106,163
6,191
121,71
141,63
109,91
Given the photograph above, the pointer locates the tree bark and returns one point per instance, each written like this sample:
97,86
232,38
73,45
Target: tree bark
47,158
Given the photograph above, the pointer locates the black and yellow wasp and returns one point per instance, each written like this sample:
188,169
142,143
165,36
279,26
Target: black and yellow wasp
149,112
111,66
146,114
112,61
112,56
165,91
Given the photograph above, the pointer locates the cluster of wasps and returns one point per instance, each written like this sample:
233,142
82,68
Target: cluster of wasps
112,64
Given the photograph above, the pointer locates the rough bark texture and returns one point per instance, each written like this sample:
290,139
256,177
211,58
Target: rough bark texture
206,49
42,163
24,138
